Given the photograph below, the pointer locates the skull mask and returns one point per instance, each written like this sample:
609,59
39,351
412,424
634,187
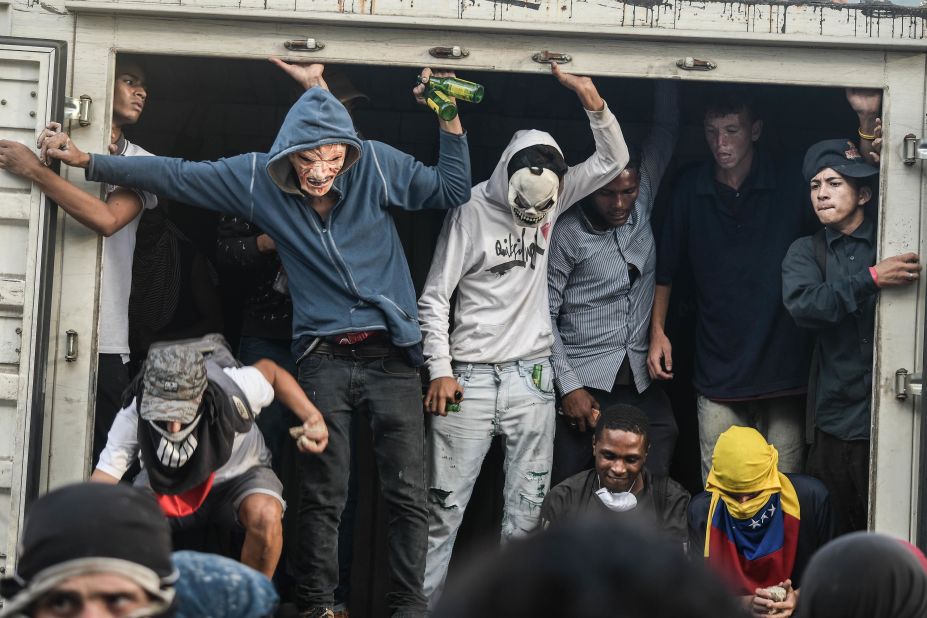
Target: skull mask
535,174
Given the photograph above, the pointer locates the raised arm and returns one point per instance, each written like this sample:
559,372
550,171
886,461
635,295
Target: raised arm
658,147
867,103
611,152
288,391
223,185
106,218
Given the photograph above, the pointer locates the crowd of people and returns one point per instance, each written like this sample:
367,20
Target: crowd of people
543,321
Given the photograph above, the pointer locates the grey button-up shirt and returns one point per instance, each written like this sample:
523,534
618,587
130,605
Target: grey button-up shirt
841,309
599,317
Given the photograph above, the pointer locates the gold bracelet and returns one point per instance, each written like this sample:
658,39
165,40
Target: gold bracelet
865,136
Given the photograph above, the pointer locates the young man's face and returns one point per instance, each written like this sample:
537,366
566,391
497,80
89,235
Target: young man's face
837,202
129,94
614,202
730,138
97,595
316,169
619,457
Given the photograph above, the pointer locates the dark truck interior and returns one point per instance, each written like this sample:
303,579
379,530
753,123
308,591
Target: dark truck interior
206,108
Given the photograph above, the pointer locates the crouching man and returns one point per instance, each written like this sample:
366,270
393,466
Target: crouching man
199,447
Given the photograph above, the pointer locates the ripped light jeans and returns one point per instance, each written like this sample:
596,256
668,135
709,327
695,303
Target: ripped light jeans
499,400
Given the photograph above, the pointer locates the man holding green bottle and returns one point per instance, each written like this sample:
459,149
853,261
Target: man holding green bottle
495,365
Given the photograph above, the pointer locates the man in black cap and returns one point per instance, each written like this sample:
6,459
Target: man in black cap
830,283
92,550
189,417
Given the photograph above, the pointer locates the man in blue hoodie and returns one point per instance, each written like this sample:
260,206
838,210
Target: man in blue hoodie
322,194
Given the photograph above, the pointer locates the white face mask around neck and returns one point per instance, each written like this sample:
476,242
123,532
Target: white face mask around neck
618,502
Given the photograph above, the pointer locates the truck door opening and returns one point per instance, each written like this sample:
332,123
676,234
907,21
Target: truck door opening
206,108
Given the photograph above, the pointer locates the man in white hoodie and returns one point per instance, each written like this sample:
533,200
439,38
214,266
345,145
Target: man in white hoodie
495,365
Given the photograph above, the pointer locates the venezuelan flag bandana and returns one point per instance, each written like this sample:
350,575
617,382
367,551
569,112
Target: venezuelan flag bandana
751,543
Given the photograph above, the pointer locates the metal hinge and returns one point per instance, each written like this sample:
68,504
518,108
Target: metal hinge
907,384
70,352
308,44
78,109
695,64
444,53
546,57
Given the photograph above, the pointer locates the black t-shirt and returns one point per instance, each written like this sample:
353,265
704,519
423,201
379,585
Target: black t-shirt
815,528
662,503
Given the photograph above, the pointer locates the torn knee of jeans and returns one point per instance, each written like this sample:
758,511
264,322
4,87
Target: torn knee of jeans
540,479
440,497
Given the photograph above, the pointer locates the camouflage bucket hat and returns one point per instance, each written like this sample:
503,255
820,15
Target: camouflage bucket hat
174,383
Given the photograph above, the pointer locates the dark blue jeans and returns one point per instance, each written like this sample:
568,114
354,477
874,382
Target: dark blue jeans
389,391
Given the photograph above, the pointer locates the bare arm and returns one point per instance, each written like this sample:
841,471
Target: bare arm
867,103
291,394
99,476
106,218
661,350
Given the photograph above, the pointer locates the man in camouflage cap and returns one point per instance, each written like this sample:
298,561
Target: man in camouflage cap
199,447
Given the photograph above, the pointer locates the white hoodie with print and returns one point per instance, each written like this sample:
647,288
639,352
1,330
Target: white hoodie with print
498,268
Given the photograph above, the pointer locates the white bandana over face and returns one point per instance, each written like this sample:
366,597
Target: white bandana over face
532,194
618,502
176,448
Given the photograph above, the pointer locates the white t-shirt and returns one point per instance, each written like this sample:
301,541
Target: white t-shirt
118,250
248,449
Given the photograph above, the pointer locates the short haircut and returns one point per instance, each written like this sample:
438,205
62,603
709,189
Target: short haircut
624,418
726,100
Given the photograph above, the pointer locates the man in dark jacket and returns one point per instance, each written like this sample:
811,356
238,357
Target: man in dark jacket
619,483
322,194
830,285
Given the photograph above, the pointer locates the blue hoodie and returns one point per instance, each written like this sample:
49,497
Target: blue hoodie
348,273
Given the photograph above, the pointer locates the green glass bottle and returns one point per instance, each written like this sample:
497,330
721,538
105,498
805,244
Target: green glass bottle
455,87
441,104
452,407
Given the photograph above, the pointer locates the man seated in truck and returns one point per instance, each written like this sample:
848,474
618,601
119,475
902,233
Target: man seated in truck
830,284
323,195
620,482
199,447
755,526
116,218
494,364
600,280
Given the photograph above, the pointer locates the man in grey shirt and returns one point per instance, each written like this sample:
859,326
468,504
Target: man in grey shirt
600,283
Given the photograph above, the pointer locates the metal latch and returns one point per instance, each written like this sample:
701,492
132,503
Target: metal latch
449,52
546,57
907,384
694,64
307,45
78,109
70,352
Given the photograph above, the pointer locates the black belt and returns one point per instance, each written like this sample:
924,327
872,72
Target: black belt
358,350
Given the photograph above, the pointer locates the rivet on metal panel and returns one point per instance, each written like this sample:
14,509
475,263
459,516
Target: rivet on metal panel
308,44
32,114
546,57
449,52
2,101
70,354
694,64
32,94
19,331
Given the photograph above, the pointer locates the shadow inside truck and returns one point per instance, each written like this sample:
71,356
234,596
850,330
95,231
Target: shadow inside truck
206,108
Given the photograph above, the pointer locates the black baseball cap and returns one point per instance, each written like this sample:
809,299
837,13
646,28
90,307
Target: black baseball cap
841,155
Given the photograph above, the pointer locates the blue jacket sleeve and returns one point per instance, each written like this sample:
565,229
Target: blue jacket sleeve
412,185
813,302
224,185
